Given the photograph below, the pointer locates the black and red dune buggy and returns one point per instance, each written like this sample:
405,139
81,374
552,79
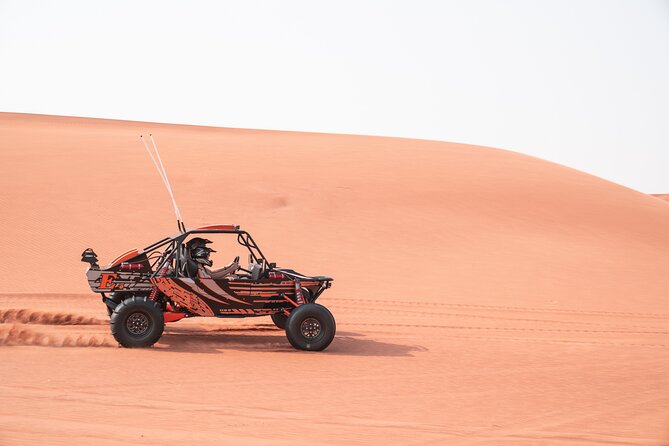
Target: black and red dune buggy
143,289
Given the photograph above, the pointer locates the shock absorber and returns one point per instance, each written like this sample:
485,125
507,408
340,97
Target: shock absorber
299,297
154,294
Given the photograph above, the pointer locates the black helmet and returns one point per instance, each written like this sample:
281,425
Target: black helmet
197,242
201,255
197,247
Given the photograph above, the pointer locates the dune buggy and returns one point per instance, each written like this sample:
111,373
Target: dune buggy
144,289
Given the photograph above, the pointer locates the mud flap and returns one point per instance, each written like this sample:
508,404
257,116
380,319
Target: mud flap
110,303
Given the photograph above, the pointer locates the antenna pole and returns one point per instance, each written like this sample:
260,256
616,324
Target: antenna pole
169,186
163,175
155,163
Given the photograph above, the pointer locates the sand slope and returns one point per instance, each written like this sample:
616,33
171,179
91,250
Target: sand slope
482,296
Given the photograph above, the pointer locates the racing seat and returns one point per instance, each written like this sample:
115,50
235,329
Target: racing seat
255,270
188,265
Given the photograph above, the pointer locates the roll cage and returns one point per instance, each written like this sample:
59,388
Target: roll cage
175,242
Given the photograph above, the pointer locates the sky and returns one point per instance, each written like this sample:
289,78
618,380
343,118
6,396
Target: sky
582,83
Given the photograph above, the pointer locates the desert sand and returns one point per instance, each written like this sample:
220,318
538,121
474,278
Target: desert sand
482,297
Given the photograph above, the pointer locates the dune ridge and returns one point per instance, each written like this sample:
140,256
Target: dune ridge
490,225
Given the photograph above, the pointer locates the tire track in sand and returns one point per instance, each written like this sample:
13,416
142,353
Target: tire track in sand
523,329
509,308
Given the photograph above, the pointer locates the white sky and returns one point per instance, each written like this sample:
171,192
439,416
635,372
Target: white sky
582,83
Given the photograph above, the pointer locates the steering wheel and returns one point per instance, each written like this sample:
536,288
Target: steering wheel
240,268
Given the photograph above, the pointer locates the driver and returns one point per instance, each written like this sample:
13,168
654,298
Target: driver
198,253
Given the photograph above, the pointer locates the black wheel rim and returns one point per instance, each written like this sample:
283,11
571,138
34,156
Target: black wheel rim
137,324
310,328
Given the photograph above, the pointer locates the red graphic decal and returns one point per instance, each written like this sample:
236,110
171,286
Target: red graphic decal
107,280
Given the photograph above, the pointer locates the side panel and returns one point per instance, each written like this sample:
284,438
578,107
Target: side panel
183,296
207,297
103,281
276,292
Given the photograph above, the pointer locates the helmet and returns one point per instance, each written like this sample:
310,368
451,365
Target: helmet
201,255
197,242
197,247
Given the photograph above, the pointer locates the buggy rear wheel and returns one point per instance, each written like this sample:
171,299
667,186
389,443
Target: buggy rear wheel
280,320
310,327
137,322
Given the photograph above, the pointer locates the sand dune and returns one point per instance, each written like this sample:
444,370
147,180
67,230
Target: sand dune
481,296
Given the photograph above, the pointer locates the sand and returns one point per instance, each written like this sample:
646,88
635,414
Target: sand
482,297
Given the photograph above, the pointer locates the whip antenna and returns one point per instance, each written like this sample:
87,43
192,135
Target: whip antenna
163,176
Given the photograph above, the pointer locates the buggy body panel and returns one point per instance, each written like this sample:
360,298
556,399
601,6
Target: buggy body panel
159,271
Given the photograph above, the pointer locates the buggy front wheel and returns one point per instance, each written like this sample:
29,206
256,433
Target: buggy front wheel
310,327
137,322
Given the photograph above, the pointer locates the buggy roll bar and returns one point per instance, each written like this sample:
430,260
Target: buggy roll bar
243,238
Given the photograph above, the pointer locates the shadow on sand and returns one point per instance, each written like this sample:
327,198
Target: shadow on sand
266,337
